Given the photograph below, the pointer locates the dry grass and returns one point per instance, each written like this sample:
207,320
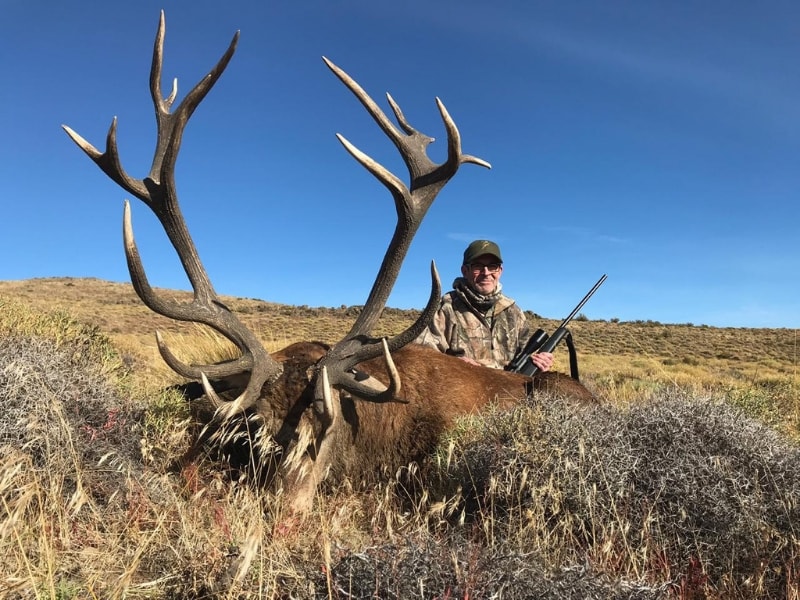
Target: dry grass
684,485
681,489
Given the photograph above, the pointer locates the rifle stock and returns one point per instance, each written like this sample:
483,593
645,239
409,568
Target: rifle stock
541,342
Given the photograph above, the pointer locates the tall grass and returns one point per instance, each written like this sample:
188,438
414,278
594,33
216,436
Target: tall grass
679,486
680,491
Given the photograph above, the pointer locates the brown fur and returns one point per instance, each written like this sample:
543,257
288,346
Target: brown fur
369,439
438,389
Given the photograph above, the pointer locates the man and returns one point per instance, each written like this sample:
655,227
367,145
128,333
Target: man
475,320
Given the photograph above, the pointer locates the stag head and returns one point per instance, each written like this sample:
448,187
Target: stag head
327,375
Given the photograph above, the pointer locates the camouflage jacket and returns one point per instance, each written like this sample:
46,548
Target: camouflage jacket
492,339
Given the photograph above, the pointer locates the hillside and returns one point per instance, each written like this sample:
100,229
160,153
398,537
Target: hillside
666,348
678,484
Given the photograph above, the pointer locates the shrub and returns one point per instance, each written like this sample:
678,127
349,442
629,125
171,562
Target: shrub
59,407
424,566
682,490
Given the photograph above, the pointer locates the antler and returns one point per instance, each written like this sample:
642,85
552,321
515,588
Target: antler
158,191
412,203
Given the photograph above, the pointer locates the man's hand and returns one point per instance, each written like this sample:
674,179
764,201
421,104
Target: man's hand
543,360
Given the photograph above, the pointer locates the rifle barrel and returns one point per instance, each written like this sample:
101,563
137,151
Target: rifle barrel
585,299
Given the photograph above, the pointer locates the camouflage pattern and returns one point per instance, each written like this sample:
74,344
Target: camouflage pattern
493,340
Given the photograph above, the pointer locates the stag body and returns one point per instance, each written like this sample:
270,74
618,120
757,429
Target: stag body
340,408
373,440
439,389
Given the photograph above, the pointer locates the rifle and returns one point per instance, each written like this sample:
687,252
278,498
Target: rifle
541,342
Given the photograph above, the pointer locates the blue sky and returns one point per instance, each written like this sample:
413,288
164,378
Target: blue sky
657,142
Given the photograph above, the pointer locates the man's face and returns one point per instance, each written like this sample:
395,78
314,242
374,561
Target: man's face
483,273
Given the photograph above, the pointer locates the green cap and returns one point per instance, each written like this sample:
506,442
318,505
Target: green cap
479,248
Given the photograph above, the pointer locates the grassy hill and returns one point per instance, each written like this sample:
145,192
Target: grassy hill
684,483
617,359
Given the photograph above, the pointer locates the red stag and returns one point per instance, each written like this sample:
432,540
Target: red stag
362,404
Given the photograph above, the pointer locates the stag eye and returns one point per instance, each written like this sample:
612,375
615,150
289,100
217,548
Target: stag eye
491,267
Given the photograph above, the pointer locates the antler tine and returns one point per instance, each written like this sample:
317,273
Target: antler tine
372,108
340,372
454,155
158,191
409,334
108,161
362,390
171,125
225,322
